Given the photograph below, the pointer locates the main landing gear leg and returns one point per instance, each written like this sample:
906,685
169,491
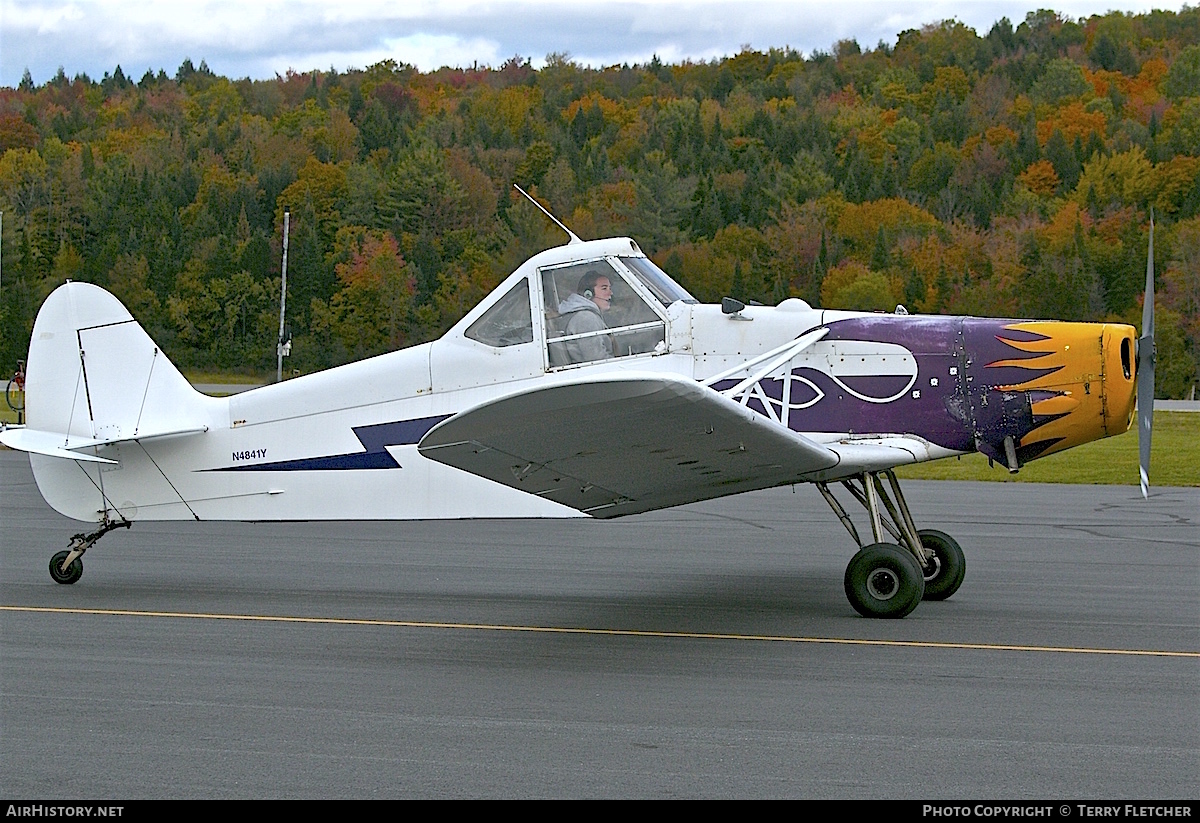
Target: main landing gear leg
886,579
67,566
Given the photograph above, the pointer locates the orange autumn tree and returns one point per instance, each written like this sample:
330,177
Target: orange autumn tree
369,313
851,285
1040,178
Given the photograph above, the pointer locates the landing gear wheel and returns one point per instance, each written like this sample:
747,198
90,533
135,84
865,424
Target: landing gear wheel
73,572
884,580
948,567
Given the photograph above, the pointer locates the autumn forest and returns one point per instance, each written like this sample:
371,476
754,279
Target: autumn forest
1005,173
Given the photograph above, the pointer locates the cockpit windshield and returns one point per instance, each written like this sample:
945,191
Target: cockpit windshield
657,281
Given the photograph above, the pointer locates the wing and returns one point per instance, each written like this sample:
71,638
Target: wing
622,444
872,453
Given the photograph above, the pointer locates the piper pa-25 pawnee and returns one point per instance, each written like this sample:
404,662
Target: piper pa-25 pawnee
589,383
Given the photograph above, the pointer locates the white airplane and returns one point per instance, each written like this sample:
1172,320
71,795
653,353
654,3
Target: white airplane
589,383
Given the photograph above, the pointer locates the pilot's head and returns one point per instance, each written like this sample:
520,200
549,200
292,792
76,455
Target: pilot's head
597,288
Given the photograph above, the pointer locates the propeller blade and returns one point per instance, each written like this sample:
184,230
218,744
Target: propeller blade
1145,371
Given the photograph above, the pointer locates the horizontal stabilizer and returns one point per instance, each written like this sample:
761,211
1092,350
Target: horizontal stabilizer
51,444
57,444
622,444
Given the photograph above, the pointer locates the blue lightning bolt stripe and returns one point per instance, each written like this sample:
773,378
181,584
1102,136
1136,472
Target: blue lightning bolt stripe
374,438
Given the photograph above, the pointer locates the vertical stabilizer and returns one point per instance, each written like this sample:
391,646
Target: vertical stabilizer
95,375
95,380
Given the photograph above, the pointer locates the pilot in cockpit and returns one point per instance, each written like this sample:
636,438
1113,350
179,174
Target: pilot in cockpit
582,312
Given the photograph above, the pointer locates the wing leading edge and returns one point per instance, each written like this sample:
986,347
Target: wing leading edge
623,444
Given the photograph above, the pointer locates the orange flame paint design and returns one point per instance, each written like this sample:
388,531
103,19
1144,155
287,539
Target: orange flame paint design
1081,398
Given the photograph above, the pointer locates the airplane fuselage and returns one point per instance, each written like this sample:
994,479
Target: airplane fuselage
342,444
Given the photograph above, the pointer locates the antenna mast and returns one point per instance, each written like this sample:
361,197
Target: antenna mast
283,347
557,222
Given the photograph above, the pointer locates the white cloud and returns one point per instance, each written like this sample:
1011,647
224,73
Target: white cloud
423,50
434,51
40,18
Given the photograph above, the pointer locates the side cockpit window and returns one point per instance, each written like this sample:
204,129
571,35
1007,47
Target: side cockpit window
508,322
593,313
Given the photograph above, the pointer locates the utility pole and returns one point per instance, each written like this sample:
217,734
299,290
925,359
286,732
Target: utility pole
283,348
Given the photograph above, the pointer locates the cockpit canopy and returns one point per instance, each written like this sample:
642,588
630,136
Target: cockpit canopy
592,307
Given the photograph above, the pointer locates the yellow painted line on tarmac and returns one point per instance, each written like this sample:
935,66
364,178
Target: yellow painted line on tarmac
490,627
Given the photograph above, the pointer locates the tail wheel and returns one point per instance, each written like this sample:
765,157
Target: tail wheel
74,570
884,580
948,566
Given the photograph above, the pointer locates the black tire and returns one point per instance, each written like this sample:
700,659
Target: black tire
73,572
884,580
949,565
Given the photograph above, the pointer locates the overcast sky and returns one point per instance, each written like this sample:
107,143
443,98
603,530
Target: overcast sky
262,38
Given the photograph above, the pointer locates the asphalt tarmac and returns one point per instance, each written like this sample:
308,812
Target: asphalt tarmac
704,651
